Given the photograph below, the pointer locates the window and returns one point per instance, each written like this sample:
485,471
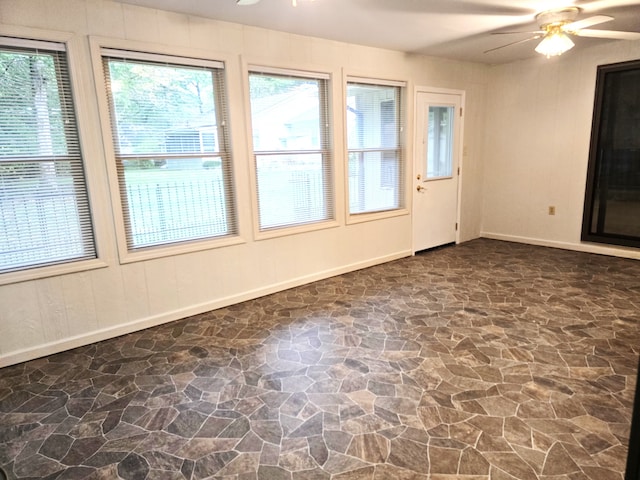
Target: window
376,168
169,126
44,209
612,203
293,161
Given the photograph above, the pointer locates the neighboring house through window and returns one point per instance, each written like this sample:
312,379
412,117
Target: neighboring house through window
293,160
169,126
374,134
44,208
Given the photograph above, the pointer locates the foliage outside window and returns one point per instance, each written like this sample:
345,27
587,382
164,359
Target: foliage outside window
44,209
171,148
376,168
293,161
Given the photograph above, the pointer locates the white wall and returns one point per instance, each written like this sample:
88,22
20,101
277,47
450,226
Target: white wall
539,115
47,315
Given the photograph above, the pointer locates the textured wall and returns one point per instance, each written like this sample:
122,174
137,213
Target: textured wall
537,146
46,315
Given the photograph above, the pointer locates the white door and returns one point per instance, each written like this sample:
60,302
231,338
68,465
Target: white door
436,172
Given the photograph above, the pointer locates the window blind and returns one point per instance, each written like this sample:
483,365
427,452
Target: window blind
171,141
374,142
44,209
292,148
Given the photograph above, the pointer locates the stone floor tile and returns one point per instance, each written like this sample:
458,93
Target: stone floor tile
483,361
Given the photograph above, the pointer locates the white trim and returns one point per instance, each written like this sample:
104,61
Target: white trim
442,91
576,247
68,43
376,81
95,46
355,218
34,44
50,348
36,34
463,108
99,45
445,91
251,162
282,68
295,229
260,69
159,57
170,250
37,273
249,67
136,46
365,74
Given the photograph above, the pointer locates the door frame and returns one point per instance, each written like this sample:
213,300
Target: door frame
461,152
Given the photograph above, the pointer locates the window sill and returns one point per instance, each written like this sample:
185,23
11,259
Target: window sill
286,231
160,251
373,216
51,271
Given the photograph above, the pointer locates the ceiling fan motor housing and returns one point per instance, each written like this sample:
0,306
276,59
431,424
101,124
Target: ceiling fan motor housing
556,18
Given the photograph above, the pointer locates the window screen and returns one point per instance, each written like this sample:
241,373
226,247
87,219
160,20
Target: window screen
293,161
168,119
376,168
44,209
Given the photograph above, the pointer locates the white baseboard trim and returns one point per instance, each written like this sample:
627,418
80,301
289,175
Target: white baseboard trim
623,252
19,356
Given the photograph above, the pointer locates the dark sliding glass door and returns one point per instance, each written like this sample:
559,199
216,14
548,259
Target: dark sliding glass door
633,460
612,203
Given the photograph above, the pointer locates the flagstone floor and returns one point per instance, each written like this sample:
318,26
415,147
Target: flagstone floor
487,360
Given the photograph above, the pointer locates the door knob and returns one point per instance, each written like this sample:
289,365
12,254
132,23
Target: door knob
420,188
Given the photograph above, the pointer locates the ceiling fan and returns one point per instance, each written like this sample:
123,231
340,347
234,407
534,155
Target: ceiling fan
253,2
558,25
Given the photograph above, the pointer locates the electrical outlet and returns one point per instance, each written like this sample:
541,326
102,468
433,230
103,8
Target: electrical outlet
552,210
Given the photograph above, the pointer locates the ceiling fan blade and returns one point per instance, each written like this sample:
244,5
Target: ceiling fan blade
498,8
513,43
537,32
608,34
587,22
599,5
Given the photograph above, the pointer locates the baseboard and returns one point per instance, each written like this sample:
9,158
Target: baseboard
623,252
24,355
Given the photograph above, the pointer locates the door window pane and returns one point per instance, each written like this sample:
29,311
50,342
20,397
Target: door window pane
439,142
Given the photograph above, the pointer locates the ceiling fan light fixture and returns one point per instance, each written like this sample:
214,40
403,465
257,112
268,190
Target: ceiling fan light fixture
554,43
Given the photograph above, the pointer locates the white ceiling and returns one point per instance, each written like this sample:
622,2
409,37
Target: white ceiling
456,29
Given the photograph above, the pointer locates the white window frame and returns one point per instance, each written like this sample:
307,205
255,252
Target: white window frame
181,55
354,218
74,49
302,72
